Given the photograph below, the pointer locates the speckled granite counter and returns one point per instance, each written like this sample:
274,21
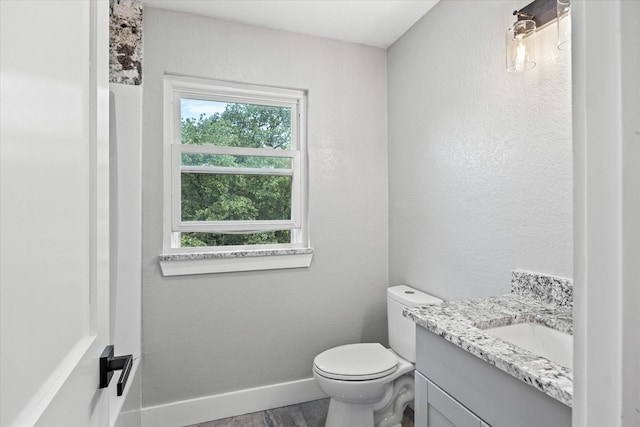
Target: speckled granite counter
194,256
462,323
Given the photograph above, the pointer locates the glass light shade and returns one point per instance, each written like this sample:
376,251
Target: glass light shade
563,9
521,46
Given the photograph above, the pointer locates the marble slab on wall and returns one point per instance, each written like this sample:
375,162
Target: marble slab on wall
125,42
551,289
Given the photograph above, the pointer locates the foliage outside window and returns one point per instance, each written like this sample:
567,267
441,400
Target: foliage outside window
236,164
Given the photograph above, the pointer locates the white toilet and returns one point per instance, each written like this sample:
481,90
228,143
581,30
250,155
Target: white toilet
370,385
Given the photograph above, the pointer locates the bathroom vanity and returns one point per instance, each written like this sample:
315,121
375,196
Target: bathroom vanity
468,376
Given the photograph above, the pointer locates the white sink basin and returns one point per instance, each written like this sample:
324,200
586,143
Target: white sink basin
554,345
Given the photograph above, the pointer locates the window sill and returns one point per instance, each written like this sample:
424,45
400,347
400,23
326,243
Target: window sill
232,261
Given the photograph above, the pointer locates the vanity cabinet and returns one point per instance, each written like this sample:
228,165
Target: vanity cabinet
456,388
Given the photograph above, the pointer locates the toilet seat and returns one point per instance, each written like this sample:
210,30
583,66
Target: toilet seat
356,362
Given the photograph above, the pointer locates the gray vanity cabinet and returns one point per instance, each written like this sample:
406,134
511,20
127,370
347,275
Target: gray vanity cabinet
456,388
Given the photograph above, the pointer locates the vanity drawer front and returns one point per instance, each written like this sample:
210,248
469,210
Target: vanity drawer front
438,409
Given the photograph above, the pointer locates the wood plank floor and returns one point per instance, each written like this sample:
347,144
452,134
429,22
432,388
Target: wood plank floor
308,414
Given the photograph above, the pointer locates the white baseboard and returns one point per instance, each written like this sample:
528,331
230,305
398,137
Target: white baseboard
203,409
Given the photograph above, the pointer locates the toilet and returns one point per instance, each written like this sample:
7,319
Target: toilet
370,385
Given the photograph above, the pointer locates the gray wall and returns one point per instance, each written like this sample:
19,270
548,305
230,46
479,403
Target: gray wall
210,334
480,169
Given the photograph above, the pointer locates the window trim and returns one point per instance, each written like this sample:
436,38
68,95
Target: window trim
299,251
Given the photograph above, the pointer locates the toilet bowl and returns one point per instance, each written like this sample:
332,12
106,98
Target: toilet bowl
370,385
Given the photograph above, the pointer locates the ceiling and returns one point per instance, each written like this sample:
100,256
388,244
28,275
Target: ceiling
372,22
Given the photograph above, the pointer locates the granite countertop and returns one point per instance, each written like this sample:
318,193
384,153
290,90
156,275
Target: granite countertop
462,323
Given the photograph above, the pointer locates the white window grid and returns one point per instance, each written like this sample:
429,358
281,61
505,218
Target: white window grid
178,87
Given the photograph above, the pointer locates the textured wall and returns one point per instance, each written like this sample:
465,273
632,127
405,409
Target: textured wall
480,172
210,334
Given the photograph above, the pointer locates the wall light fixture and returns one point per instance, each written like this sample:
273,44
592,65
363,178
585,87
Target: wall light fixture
521,44
520,40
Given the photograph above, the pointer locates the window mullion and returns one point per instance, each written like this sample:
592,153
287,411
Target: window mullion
176,190
221,170
240,99
296,192
234,226
233,151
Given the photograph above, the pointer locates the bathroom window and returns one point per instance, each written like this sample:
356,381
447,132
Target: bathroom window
235,177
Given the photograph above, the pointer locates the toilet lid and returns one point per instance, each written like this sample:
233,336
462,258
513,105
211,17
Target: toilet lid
356,362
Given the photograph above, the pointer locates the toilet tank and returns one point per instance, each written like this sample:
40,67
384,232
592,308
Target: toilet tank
402,331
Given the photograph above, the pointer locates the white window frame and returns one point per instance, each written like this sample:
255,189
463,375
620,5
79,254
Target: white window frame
230,258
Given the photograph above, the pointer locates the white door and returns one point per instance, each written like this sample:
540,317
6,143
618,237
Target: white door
54,232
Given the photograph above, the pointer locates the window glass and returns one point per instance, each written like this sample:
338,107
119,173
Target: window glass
213,197
227,124
196,240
